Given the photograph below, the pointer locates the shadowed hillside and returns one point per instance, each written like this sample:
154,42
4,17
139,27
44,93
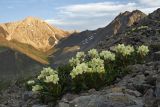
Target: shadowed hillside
86,40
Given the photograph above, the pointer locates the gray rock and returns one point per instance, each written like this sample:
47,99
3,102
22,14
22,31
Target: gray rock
136,106
155,46
62,104
151,79
136,68
149,98
27,95
156,56
40,106
106,100
157,92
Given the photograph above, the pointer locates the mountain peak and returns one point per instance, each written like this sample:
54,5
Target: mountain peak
35,32
124,13
137,11
31,19
130,14
126,19
155,15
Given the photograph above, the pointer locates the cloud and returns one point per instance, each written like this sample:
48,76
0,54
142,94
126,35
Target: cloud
94,15
150,2
94,9
62,22
148,10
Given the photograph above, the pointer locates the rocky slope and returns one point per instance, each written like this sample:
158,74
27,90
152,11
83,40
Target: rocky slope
86,40
147,32
34,32
140,88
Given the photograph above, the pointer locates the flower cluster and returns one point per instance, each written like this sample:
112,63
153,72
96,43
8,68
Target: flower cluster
37,88
49,75
107,55
80,55
74,61
96,65
79,69
124,50
143,50
87,71
31,82
93,53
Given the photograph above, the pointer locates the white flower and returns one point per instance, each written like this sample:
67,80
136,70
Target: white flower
80,55
124,50
93,53
74,61
97,65
37,88
79,69
143,50
52,79
49,75
46,72
107,55
31,82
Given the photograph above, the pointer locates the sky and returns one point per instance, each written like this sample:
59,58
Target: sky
72,14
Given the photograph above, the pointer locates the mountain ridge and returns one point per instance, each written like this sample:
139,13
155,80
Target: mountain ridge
35,32
86,40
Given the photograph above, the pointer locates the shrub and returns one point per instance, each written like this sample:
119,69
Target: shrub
64,77
37,88
79,69
47,84
124,56
124,50
93,53
87,75
80,55
143,50
96,65
74,61
107,55
86,71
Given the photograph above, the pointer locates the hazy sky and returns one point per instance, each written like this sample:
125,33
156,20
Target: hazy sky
72,14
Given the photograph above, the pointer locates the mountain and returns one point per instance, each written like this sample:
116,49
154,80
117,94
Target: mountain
86,40
25,47
34,32
140,87
32,37
146,31
124,20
